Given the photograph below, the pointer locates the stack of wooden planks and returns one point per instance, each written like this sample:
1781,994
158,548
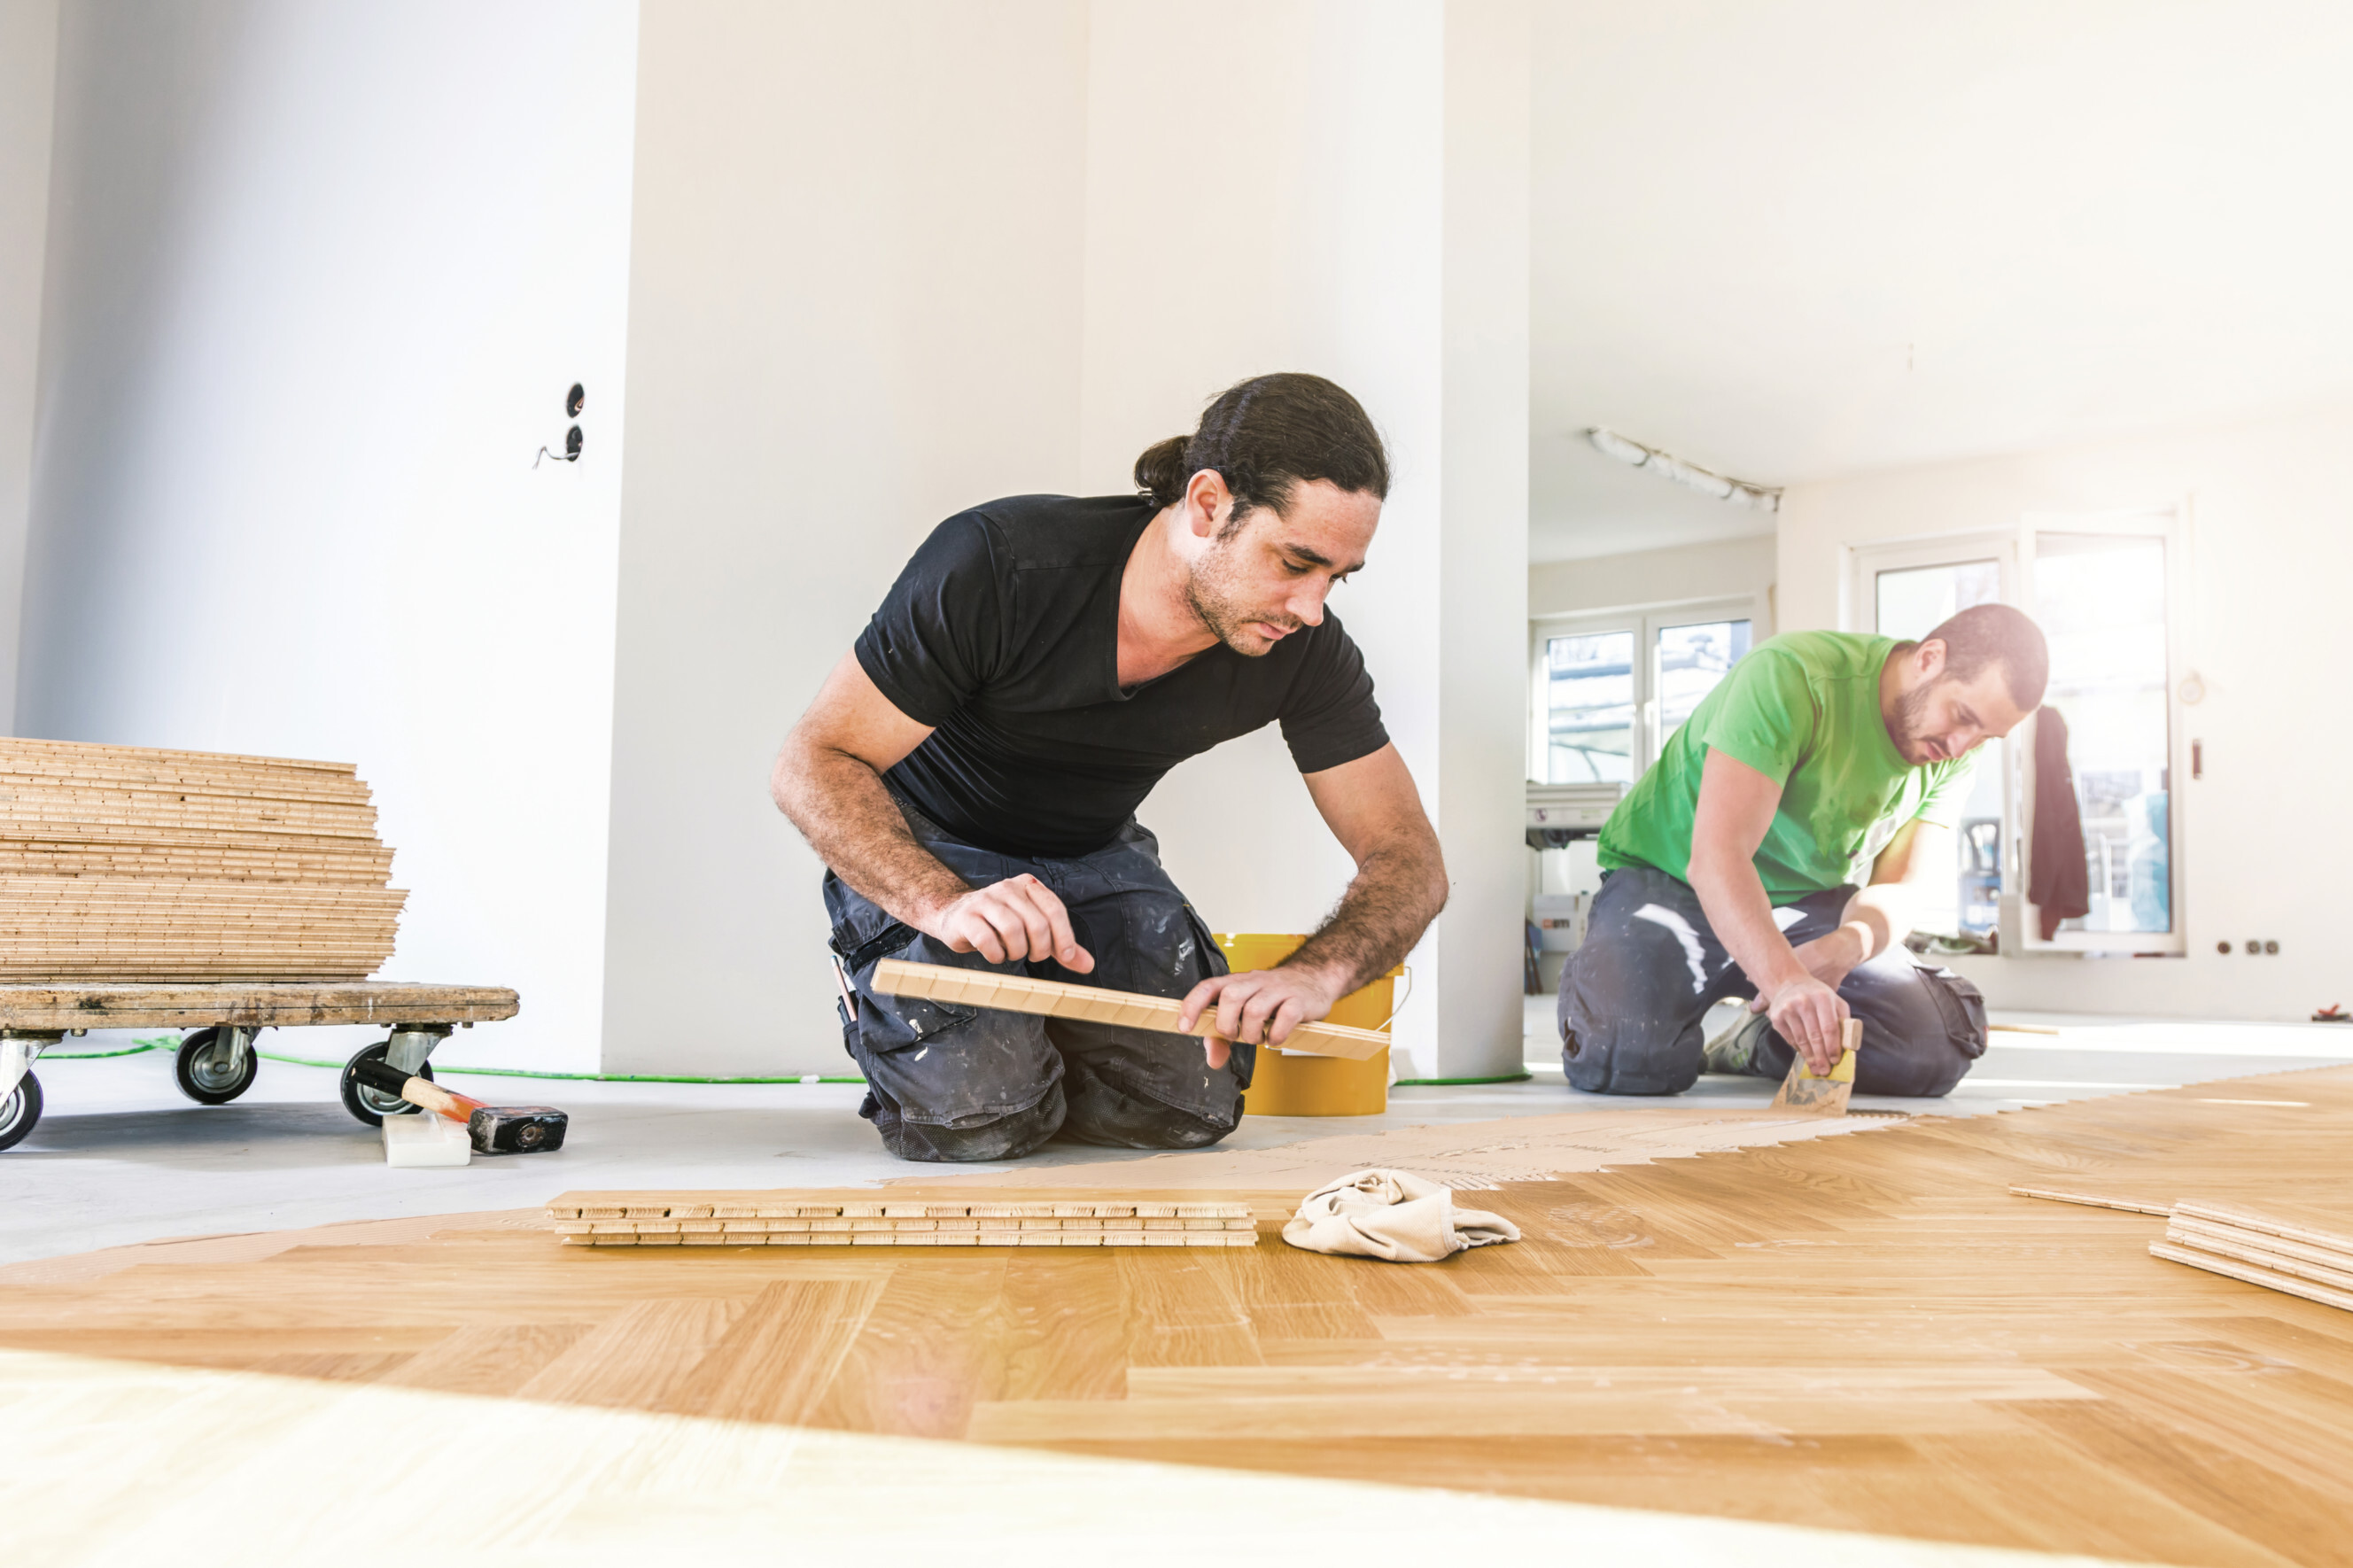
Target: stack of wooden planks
2277,1251
124,863
819,1217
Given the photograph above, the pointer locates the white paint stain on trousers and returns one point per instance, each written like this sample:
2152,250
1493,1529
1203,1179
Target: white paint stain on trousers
1693,954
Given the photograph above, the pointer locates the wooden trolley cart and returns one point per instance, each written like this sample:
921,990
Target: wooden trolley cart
216,1061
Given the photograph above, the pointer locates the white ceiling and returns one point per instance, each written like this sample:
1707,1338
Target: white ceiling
1791,240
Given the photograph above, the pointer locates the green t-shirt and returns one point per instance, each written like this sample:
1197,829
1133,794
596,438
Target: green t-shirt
1803,709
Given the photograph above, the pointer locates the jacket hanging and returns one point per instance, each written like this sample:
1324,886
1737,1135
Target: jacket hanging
2059,878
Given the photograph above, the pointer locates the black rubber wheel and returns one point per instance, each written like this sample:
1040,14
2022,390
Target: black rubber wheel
203,1072
371,1106
20,1113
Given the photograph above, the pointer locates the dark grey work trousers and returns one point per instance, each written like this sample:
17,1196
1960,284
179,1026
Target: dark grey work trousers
946,1082
1632,995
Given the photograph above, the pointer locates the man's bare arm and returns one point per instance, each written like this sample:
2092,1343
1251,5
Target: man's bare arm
1735,808
1881,915
1372,807
829,780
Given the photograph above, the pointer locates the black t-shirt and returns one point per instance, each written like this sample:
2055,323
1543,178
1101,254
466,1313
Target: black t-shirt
1003,635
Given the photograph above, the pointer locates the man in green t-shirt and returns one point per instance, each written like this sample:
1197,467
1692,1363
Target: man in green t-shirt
1773,853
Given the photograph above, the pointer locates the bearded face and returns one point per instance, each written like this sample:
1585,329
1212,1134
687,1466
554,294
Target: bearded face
1248,615
1945,717
1910,731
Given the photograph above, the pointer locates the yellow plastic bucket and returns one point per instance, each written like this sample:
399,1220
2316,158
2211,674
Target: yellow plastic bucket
1315,1086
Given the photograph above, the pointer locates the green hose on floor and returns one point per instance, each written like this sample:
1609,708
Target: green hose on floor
160,1043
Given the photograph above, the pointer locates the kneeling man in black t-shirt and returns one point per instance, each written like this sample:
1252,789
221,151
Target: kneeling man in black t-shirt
971,770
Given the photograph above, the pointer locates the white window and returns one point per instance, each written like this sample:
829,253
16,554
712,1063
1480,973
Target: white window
1611,689
2103,589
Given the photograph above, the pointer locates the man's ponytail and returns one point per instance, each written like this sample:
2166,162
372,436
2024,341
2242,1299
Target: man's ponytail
1265,436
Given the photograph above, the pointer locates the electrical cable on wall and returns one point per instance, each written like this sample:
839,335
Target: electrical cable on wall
1763,498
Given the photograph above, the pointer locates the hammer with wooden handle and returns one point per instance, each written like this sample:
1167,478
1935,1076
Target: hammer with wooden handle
492,1129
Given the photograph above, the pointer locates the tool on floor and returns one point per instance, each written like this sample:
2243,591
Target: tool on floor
1826,1096
1054,999
493,1129
2334,1012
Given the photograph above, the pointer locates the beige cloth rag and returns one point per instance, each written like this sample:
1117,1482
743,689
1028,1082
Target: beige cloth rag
1393,1216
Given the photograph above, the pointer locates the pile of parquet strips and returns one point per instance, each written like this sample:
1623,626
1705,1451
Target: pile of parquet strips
836,1218
2275,1242
119,863
2262,1249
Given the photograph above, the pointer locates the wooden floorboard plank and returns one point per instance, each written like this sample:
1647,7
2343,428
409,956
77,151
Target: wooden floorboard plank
638,1357
1179,1313
487,1358
2297,1523
774,1363
1062,1327
925,1355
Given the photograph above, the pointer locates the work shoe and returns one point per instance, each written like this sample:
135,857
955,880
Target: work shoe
1733,1049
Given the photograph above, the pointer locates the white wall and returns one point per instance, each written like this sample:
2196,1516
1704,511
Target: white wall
2271,550
29,71
855,310
318,279
1725,569
1340,188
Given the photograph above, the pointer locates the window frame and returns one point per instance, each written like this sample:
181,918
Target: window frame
1645,622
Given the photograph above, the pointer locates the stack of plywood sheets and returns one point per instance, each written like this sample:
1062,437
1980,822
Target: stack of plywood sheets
122,863
2278,1251
941,1218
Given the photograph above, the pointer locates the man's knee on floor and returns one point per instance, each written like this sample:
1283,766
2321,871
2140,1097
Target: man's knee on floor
1929,1071
1007,1135
1178,1131
1134,1122
1630,1057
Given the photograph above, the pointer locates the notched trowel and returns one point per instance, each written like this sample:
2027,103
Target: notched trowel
1801,1090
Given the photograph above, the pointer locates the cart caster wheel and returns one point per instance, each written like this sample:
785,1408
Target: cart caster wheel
371,1106
204,1071
20,1111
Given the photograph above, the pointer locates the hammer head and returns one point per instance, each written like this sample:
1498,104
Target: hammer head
516,1130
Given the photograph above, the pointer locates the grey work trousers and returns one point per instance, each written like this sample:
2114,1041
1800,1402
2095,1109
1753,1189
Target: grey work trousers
1632,996
951,1083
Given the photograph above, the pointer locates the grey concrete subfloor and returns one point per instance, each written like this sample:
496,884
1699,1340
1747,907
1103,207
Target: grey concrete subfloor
121,1157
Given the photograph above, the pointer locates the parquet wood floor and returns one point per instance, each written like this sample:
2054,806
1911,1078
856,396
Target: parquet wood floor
1864,1332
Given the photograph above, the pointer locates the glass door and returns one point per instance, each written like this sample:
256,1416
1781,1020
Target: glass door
2103,591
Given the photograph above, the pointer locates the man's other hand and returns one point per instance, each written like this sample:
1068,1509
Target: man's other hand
1016,920
1258,1007
1812,1018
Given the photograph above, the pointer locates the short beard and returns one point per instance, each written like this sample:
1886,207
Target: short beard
1908,709
1207,591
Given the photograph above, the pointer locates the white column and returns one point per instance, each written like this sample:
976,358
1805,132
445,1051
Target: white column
29,73
1341,188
